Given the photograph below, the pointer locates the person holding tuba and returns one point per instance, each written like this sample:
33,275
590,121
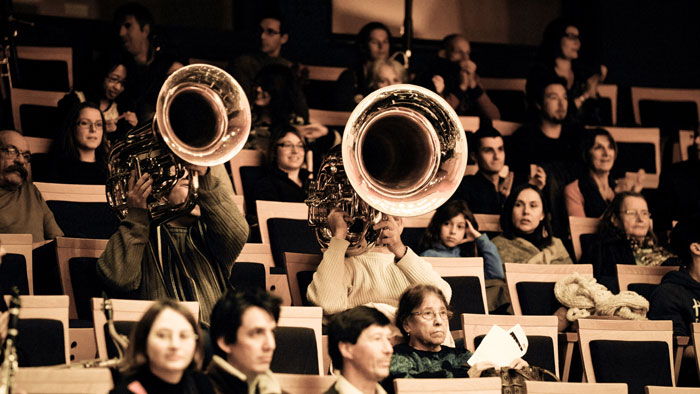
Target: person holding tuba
188,258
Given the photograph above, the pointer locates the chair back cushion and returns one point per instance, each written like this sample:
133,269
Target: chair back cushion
13,272
295,352
84,219
637,363
40,343
466,298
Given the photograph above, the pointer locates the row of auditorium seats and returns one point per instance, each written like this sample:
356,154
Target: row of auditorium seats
638,353
34,112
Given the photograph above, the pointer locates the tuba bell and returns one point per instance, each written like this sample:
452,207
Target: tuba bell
403,153
202,118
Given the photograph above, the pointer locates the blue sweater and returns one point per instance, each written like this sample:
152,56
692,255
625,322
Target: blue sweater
493,266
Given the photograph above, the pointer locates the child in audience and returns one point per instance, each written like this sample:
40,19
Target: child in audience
79,153
454,232
527,235
165,353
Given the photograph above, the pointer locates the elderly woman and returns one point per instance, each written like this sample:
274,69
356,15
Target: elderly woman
165,353
387,72
624,237
422,317
527,235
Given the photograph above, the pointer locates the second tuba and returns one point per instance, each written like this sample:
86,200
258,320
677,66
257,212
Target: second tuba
202,118
403,153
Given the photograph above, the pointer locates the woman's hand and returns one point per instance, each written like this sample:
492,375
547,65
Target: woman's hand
130,117
633,182
439,83
111,126
519,363
139,190
312,131
338,223
467,75
390,236
538,176
476,370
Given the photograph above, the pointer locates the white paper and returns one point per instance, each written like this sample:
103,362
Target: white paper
501,347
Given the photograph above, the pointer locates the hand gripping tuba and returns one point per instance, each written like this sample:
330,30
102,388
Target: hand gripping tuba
202,118
403,154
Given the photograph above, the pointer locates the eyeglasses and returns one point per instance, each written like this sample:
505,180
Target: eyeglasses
572,36
85,124
12,153
167,335
289,145
429,315
642,214
112,79
269,32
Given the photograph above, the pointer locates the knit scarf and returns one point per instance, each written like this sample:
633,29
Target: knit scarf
646,252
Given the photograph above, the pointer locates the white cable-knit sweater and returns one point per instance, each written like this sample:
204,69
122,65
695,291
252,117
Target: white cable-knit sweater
342,283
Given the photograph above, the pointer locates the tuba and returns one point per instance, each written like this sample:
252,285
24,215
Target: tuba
403,154
202,118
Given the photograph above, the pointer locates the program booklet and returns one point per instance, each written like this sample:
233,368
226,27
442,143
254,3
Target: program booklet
501,347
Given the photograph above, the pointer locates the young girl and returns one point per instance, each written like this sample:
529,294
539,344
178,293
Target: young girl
453,232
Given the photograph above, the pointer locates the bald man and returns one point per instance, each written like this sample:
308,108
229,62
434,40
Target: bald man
22,208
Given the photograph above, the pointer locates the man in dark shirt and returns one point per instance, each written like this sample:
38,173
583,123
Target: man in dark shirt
486,190
542,153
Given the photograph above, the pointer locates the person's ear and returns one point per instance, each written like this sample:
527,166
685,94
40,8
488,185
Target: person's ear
695,248
146,29
406,328
225,346
284,38
346,350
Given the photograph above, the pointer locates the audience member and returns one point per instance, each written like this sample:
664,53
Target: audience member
359,343
527,235
350,277
422,317
165,353
243,331
558,55
678,296
276,104
106,90
486,190
679,190
454,232
455,78
22,208
590,194
387,72
189,258
372,43
273,34
540,153
624,237
147,64
79,153
286,180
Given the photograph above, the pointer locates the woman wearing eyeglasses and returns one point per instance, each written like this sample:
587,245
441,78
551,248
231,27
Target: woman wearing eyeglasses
165,354
625,236
79,153
422,318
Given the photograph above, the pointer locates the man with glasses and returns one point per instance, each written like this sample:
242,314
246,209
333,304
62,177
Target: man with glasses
273,34
22,208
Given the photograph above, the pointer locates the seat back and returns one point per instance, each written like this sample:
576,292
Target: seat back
35,112
455,385
46,68
535,387
43,330
304,384
696,343
531,285
488,222
19,244
310,318
244,158
685,141
609,92
329,118
300,269
124,311
634,143
641,279
64,381
414,228
579,226
638,353
542,333
257,253
665,107
79,256
283,226
466,278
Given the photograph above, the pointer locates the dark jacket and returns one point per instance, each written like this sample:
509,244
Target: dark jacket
605,251
677,298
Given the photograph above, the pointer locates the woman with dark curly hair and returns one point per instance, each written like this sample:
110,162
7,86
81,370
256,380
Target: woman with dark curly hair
454,232
79,153
624,236
165,353
527,235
